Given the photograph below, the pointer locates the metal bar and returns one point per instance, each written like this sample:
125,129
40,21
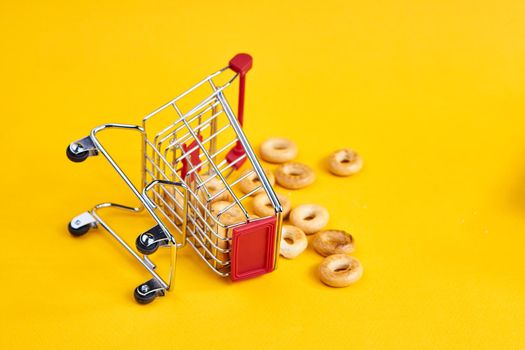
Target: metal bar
188,152
200,127
249,152
197,211
212,106
228,207
157,195
214,155
220,192
213,256
203,233
171,183
279,221
217,171
211,76
125,245
222,274
126,179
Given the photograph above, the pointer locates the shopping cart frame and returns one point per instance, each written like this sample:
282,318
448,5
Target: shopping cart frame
160,235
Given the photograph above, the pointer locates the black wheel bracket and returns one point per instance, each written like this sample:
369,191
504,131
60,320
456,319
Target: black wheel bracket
148,291
149,241
80,150
82,223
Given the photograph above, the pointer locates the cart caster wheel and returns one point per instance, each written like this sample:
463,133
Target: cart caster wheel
145,244
76,157
77,232
142,298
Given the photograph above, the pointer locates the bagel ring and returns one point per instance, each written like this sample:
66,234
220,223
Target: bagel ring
278,150
263,207
294,175
340,270
293,241
345,162
252,181
232,216
174,204
310,218
333,242
213,186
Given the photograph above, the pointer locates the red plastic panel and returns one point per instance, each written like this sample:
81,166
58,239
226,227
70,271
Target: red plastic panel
192,159
253,249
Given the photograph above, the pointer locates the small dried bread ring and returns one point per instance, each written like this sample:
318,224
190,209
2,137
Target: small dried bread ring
263,207
340,270
174,204
213,186
232,216
252,181
293,241
310,218
345,162
333,242
278,150
294,175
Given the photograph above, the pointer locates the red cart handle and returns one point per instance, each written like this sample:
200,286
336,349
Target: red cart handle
240,64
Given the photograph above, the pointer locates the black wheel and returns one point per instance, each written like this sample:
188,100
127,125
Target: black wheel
144,299
145,244
77,232
76,157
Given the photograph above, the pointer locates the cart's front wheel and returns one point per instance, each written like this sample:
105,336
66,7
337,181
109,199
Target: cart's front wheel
143,295
146,244
79,231
76,157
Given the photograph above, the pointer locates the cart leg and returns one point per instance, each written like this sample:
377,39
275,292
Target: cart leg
148,291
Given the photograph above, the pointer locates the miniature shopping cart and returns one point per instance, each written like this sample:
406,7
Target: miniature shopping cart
190,143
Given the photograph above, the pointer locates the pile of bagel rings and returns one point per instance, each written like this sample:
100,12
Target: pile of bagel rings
338,269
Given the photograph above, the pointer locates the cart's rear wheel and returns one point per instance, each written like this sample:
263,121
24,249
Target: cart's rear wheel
77,232
145,243
142,296
76,157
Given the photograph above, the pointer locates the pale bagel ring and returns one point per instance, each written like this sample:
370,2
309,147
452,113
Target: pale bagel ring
294,175
263,207
278,150
232,216
345,162
310,218
252,181
340,270
213,186
293,241
333,242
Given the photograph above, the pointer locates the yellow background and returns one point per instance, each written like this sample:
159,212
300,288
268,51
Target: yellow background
431,93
